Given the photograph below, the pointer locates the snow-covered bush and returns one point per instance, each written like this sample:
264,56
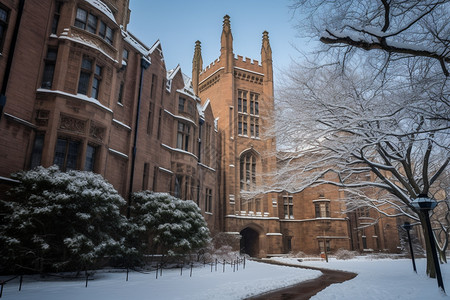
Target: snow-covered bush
224,252
169,225
344,254
57,220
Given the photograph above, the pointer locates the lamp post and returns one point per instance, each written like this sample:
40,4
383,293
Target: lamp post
407,226
425,204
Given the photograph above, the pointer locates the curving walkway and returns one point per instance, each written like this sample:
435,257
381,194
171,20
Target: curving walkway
305,289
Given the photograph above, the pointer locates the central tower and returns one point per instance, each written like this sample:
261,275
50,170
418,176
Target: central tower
240,91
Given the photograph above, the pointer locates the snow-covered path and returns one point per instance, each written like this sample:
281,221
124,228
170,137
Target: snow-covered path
380,279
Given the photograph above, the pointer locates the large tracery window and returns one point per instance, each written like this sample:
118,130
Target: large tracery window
248,171
248,114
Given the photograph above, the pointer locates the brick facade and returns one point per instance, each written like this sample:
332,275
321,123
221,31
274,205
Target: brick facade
81,93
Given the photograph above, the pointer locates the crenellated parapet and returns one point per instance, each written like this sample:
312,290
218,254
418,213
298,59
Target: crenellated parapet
211,68
248,64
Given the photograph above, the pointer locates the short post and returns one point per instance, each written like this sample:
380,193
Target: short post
87,276
407,226
20,282
128,270
191,269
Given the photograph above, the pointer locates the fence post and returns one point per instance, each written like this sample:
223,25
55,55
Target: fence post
157,271
127,273
244,262
216,264
1,289
20,282
191,269
224,265
87,277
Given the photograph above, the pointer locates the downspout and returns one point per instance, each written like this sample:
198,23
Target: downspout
10,57
200,121
145,63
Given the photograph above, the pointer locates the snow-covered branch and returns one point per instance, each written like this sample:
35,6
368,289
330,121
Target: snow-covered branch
334,37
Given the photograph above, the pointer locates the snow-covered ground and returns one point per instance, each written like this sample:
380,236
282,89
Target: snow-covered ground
204,284
380,279
377,279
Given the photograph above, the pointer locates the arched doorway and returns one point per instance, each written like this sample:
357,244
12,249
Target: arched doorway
249,242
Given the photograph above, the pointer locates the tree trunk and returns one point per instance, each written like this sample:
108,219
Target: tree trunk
442,256
431,271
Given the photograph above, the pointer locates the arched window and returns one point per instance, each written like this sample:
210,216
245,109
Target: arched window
248,171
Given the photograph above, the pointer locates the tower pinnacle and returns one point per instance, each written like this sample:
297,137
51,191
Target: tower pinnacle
266,56
197,66
226,45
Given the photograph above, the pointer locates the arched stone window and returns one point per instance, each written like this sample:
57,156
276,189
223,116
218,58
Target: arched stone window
248,171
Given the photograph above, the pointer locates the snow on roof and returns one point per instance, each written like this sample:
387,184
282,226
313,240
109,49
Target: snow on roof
171,73
135,43
188,84
207,102
98,4
216,124
155,46
200,110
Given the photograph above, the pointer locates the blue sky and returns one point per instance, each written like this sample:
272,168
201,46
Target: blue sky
179,23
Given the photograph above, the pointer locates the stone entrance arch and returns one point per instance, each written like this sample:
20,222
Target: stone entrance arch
249,242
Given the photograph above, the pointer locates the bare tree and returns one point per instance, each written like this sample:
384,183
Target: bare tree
365,131
384,127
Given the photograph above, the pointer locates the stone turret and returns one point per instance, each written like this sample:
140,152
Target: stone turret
197,66
266,57
226,45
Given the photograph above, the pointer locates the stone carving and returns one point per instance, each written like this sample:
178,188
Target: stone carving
72,124
97,132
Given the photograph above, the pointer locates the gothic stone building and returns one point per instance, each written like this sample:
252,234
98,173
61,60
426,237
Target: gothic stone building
240,91
80,91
